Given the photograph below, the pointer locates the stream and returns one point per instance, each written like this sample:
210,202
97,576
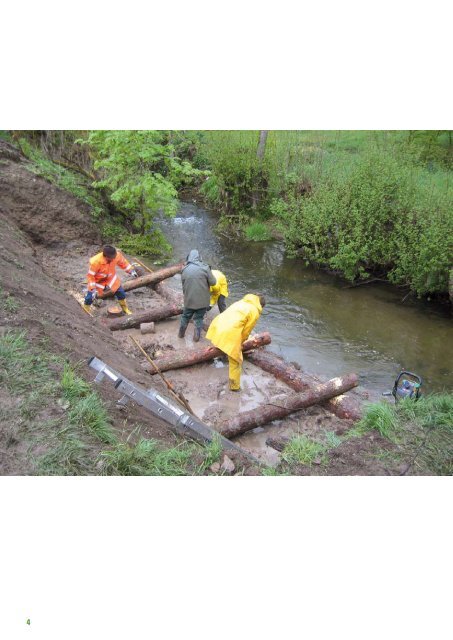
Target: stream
315,319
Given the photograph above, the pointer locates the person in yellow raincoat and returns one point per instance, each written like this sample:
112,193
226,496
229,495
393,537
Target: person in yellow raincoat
231,328
219,291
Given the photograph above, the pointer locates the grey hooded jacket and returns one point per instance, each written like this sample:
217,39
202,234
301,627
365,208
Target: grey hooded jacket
196,280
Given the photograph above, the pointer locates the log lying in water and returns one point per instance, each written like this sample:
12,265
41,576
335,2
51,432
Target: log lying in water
342,406
136,319
149,279
281,407
187,357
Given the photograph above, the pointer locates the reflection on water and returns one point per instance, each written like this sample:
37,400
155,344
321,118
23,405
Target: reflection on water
314,320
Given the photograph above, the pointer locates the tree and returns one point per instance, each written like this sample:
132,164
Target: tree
260,182
140,171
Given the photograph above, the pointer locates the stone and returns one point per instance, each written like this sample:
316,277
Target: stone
227,465
215,468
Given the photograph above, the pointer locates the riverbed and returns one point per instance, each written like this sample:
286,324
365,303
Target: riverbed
317,320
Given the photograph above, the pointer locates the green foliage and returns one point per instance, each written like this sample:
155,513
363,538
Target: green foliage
60,445
152,244
378,219
302,450
10,303
140,172
257,232
422,430
238,178
211,453
382,418
63,178
146,458
332,440
356,202
86,409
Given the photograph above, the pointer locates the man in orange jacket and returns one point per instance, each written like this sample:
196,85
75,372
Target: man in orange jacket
102,277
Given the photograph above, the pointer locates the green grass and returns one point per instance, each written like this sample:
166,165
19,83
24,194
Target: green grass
147,458
66,426
11,304
422,430
302,450
257,232
65,179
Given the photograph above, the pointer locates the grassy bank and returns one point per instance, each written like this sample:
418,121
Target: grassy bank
409,438
57,424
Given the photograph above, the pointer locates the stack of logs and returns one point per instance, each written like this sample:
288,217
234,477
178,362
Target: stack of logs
309,390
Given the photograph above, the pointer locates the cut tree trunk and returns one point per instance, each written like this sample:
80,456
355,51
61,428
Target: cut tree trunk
281,407
342,406
187,357
149,279
135,320
278,443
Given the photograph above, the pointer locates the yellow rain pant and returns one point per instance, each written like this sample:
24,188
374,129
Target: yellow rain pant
235,374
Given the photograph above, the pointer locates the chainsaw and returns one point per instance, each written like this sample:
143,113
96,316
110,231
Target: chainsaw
407,385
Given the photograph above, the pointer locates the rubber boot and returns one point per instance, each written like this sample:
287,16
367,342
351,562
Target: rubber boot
124,307
196,334
182,331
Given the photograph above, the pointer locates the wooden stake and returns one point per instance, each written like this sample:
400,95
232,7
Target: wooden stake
143,265
178,396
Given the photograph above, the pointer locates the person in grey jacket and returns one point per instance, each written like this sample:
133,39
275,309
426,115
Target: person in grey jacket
196,278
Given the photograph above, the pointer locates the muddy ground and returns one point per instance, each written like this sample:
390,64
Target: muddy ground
46,238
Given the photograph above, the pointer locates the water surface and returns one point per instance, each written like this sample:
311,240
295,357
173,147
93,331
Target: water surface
314,319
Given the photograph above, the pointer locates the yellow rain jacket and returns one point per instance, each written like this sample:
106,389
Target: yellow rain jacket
220,288
231,328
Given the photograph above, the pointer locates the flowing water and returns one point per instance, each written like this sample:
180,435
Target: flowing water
315,319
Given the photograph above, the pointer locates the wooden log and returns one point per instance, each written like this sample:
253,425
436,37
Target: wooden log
187,357
169,294
278,443
148,280
342,406
281,407
153,315
147,327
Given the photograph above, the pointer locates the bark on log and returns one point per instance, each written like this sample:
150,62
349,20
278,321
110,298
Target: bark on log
135,320
278,443
281,407
342,406
169,294
148,280
187,357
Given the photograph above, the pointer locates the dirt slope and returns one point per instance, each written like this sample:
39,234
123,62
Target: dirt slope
49,216
40,227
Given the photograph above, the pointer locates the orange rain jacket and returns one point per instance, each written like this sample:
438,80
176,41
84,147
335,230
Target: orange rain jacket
103,274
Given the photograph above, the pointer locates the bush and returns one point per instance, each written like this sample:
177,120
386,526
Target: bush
151,244
380,219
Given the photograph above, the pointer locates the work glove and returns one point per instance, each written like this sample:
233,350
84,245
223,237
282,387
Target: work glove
134,274
94,295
